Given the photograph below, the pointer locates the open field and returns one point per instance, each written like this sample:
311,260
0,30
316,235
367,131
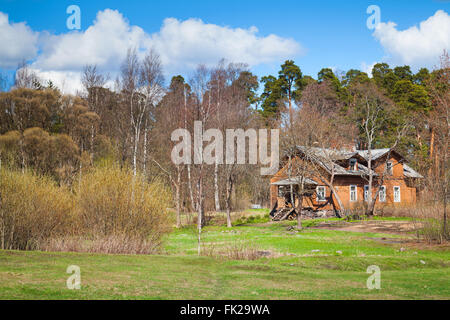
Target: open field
320,262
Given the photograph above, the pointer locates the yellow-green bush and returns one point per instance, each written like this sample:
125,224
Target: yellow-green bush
112,202
32,209
109,211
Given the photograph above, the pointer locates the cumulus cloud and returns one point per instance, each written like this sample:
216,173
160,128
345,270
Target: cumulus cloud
182,45
187,43
418,45
17,41
105,44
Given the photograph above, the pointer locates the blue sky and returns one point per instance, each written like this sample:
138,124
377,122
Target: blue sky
328,33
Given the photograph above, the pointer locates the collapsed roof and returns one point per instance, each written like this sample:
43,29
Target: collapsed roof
327,159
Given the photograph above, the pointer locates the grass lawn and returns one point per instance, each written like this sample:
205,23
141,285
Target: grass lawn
297,270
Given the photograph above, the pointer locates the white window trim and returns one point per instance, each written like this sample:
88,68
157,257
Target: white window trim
383,188
366,195
324,193
356,193
399,194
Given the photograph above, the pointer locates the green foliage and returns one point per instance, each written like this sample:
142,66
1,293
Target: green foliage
353,76
271,97
249,82
287,87
253,219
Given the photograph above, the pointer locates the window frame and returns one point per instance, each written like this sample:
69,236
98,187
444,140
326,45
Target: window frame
324,193
355,192
366,193
383,193
399,195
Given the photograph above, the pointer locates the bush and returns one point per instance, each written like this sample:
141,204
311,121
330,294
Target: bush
32,209
112,212
430,223
428,220
113,204
235,251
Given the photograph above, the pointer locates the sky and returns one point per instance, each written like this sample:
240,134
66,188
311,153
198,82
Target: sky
260,33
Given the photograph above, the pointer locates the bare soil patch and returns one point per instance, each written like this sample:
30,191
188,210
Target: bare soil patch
389,227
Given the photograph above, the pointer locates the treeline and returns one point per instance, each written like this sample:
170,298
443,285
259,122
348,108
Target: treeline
130,125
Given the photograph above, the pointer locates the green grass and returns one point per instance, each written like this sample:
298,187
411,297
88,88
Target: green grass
299,273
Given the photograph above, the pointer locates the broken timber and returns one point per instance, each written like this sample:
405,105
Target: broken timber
285,214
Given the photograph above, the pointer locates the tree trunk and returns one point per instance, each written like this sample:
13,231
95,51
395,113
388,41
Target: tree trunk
370,205
191,193
144,163
299,212
445,187
3,227
339,201
216,187
228,200
178,200
433,133
200,218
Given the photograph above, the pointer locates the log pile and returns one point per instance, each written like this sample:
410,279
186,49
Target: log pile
284,214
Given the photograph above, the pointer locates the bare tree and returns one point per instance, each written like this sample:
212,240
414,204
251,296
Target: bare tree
142,84
438,86
375,106
202,110
26,77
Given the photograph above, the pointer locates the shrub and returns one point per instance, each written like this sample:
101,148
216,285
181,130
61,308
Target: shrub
32,209
430,223
114,204
235,251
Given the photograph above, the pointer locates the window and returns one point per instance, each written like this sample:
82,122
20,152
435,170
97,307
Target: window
366,193
383,194
353,164
397,197
353,194
389,168
321,194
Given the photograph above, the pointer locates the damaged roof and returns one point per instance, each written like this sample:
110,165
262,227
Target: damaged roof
376,153
326,158
293,181
410,172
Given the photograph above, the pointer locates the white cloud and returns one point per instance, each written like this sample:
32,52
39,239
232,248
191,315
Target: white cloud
17,42
187,43
182,45
416,46
105,44
367,68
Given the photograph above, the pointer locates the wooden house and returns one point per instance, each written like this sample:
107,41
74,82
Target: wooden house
317,171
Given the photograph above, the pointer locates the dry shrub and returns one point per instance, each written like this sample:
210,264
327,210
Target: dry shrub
236,251
110,244
428,220
430,223
397,212
114,206
32,209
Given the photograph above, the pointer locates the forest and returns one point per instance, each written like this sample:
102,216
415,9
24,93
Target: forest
97,164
